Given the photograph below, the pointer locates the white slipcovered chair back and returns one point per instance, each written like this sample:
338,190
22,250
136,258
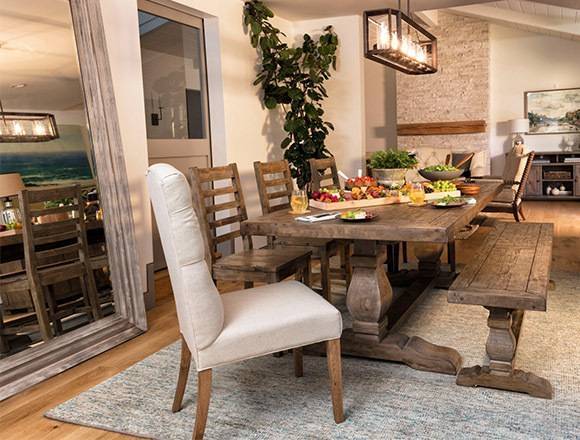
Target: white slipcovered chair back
199,306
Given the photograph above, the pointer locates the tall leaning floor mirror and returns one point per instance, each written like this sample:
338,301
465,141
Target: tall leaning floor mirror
69,278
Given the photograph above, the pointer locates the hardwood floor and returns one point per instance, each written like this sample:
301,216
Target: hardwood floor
21,417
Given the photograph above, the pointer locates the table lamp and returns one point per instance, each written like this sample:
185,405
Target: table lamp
519,127
10,185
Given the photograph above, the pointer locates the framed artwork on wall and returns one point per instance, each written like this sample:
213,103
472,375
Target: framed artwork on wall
553,111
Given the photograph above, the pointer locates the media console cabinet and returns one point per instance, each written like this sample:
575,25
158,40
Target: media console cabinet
554,170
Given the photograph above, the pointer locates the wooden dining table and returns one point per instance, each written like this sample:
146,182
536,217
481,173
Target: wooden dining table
377,311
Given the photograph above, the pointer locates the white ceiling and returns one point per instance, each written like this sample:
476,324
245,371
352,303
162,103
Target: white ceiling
37,48
309,9
534,16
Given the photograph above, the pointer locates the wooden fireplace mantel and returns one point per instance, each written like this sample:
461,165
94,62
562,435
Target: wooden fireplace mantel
441,128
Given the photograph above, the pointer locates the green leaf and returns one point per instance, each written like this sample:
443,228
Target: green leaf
285,143
270,102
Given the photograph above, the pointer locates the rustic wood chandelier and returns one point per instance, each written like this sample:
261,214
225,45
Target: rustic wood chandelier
27,127
394,39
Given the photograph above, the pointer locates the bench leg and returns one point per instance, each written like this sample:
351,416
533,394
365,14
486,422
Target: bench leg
504,328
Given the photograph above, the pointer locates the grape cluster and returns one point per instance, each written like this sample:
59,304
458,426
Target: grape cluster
443,186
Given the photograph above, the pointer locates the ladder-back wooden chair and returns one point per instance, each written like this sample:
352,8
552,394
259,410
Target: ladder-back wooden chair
17,312
275,187
510,199
214,205
323,174
56,251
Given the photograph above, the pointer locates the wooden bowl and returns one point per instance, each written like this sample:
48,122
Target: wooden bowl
469,189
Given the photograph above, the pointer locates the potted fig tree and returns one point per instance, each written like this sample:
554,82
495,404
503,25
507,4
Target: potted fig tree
389,167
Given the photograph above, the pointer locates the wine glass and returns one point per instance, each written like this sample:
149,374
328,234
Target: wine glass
299,201
417,194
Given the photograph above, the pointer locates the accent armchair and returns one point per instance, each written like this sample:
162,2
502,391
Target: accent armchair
221,329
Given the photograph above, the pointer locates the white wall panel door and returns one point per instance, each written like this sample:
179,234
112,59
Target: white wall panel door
175,91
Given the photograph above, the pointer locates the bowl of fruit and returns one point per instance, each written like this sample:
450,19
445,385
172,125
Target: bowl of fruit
357,215
439,186
440,172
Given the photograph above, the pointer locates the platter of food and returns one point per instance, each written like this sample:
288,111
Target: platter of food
448,202
363,192
357,215
357,197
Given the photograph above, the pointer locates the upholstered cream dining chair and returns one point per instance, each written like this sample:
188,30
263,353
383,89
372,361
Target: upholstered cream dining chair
221,329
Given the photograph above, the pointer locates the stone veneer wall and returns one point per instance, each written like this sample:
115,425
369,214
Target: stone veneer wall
459,91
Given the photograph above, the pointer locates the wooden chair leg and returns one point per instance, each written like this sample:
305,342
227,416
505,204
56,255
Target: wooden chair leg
405,252
248,284
298,362
40,311
306,273
335,374
4,347
325,282
516,213
184,365
53,309
346,263
92,293
203,397
451,256
521,211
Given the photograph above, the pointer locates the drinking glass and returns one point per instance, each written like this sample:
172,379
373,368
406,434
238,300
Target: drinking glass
299,201
417,194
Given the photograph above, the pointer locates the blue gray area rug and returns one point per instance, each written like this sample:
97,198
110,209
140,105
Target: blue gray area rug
261,398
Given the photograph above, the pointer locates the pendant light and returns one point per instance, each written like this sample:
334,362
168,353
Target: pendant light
394,39
27,127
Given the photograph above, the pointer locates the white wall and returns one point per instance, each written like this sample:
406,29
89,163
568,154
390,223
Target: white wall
344,106
523,61
380,84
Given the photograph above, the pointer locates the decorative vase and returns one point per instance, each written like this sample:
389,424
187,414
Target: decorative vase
390,176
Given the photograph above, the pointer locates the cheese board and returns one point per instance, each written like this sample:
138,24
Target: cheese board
354,204
381,201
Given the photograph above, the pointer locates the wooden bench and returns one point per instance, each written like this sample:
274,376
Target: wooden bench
509,275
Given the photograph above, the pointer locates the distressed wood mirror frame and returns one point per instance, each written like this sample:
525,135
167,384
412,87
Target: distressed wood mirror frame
34,365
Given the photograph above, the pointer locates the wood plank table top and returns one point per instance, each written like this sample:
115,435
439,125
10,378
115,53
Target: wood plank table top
398,222
511,270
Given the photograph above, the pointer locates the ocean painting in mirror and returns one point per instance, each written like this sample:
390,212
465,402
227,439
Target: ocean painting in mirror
61,161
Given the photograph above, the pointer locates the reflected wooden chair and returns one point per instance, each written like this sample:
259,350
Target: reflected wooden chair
510,199
56,251
218,330
214,204
275,187
18,315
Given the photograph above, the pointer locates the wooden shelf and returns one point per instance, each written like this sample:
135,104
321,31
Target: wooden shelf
536,186
441,128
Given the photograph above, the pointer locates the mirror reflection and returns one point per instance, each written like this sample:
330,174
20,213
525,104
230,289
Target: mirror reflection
54,270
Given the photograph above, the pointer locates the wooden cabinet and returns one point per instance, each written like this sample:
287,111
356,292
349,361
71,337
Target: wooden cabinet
534,183
554,170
